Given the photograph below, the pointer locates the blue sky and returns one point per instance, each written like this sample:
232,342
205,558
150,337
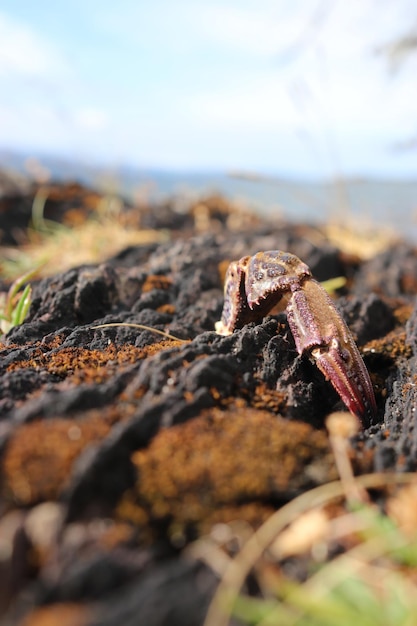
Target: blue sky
284,87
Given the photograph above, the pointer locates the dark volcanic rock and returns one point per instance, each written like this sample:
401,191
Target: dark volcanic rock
139,443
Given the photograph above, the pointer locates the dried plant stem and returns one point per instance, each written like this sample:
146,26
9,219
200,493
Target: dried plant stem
142,327
235,575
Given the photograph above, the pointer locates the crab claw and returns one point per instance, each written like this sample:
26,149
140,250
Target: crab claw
255,285
319,330
348,376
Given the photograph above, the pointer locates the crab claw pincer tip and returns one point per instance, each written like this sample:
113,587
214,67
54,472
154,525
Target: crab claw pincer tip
347,373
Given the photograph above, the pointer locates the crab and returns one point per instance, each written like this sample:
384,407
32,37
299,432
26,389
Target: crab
254,285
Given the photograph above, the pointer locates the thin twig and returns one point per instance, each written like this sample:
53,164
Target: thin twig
221,607
142,327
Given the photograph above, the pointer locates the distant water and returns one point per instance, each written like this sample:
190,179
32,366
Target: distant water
388,204
385,203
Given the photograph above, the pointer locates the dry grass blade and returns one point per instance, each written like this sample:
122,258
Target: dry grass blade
229,587
142,327
57,247
363,239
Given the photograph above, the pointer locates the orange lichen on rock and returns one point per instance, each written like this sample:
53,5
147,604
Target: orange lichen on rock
116,534
392,345
68,360
64,614
403,312
156,281
220,460
254,514
167,308
269,399
38,458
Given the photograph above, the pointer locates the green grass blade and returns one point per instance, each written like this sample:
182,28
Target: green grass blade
22,307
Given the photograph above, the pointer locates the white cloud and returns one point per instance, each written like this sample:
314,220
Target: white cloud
261,102
91,119
278,26
34,125
253,31
331,81
24,53
42,95
219,82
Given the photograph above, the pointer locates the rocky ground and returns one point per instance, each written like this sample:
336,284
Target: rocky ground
120,447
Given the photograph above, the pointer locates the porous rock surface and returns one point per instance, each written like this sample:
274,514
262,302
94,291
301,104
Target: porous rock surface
120,446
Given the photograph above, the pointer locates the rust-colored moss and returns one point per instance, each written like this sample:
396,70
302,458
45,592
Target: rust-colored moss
409,282
154,348
167,308
38,458
64,614
393,345
196,471
92,363
156,281
254,513
403,312
118,533
52,342
270,399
